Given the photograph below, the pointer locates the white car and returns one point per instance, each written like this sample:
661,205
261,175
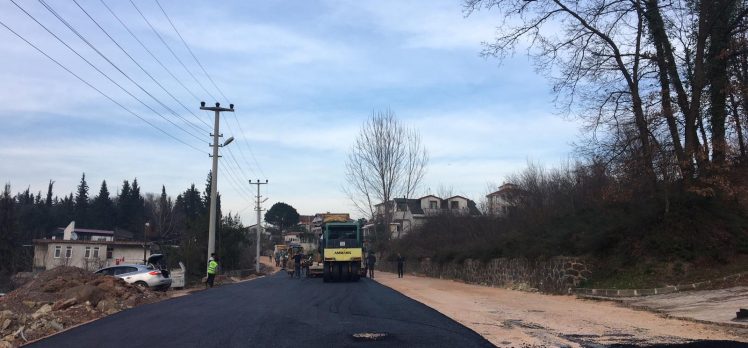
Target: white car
147,276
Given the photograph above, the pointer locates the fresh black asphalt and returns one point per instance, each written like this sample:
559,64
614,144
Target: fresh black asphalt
275,311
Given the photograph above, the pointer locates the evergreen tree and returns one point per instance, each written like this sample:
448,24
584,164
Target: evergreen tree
102,209
65,211
282,215
81,203
206,198
48,202
137,219
124,211
9,239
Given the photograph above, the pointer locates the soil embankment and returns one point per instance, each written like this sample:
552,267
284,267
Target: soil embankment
64,297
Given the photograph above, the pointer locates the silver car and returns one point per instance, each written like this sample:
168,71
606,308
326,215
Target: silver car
147,276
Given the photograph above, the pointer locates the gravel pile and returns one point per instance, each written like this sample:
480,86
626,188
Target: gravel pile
63,297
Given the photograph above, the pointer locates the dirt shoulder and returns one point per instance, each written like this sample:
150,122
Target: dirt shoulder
515,318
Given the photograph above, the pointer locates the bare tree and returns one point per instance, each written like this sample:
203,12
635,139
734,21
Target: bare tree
650,78
387,160
162,216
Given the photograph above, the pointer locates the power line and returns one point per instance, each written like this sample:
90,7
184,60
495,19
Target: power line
190,50
96,89
99,70
150,52
231,154
236,182
69,26
236,119
138,64
170,50
248,147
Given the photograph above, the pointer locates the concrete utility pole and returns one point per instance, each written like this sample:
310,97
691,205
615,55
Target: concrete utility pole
259,226
214,173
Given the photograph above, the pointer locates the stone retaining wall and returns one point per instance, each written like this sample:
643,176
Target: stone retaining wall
657,291
554,275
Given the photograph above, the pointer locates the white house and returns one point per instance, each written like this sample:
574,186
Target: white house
409,214
86,248
501,202
87,254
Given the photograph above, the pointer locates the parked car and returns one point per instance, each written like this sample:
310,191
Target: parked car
147,276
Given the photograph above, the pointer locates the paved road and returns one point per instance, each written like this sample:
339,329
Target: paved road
275,311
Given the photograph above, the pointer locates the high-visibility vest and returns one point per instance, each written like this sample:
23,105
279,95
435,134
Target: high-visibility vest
212,265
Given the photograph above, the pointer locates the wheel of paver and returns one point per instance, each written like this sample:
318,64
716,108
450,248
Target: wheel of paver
355,272
339,271
326,274
345,273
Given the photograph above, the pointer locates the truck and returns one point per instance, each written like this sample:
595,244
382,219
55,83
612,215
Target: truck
342,250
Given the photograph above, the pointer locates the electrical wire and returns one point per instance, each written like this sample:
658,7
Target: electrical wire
236,119
96,89
127,28
190,50
171,50
99,70
140,66
102,55
235,182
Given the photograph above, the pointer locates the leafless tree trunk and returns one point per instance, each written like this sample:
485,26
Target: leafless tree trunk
387,160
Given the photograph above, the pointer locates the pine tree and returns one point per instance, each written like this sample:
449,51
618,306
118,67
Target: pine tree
102,209
124,211
48,202
81,203
137,219
9,240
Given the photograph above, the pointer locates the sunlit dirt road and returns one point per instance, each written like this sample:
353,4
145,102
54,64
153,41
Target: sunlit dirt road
514,318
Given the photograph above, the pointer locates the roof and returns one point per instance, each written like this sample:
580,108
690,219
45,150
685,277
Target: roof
86,230
427,196
97,242
456,196
505,188
473,208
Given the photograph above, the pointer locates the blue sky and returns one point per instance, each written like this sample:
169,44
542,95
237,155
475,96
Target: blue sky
304,76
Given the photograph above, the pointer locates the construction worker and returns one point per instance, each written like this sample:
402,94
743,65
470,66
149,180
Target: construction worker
297,264
371,260
212,269
400,265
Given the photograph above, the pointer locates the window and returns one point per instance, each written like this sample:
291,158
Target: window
124,270
109,252
58,251
96,252
454,205
68,252
433,205
88,252
107,271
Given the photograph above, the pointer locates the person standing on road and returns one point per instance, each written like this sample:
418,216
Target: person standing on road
212,268
371,260
297,264
400,265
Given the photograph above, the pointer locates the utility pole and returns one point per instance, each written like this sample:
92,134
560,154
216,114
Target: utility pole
214,173
259,226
